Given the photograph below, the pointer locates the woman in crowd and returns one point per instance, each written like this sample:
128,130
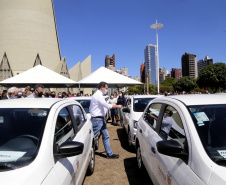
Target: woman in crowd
121,101
113,101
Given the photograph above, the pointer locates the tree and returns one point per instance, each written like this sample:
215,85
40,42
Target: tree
139,89
213,76
164,88
169,81
186,83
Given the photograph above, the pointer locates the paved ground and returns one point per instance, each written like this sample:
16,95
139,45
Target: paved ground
122,171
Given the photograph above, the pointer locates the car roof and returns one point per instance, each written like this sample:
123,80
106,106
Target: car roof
147,96
31,102
81,98
197,99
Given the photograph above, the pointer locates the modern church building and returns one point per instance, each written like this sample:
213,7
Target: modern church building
150,55
28,37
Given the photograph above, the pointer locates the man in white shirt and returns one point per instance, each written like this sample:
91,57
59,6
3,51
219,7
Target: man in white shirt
97,114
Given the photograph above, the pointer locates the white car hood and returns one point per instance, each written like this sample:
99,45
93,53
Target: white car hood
218,176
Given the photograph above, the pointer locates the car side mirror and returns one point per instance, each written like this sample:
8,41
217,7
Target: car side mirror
69,149
171,148
126,109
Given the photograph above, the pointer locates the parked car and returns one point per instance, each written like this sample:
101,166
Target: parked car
134,109
194,151
45,141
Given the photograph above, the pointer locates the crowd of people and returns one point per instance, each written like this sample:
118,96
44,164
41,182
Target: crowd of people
38,91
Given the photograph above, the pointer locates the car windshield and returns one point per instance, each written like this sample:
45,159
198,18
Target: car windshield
210,122
140,104
21,132
85,104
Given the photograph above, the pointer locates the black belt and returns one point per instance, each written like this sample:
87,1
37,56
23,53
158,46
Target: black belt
98,117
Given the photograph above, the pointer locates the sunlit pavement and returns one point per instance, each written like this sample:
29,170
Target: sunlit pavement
117,171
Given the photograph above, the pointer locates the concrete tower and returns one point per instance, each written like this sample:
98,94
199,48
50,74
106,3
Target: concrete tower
27,30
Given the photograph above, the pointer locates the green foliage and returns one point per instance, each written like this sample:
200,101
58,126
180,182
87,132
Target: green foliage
164,88
186,83
139,89
169,81
213,76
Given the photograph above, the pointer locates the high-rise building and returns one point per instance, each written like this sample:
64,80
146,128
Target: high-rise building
204,62
164,70
28,30
110,62
189,65
176,73
150,55
28,37
162,77
142,73
124,71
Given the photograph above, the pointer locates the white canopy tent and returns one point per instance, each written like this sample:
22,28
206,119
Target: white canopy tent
39,75
112,78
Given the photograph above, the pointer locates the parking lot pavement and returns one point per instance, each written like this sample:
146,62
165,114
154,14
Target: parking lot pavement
122,171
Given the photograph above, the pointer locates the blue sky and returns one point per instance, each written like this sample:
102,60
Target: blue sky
122,27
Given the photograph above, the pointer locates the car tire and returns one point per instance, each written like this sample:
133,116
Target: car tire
91,166
129,138
140,164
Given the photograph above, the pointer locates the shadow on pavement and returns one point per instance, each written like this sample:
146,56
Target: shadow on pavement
135,177
101,154
122,135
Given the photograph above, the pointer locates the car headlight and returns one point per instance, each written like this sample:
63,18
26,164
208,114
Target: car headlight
135,124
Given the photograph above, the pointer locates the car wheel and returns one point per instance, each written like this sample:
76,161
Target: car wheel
140,164
129,138
91,166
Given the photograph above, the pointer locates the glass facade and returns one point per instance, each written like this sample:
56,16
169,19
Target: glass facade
150,54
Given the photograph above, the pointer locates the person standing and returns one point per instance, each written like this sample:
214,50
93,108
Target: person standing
20,94
97,113
11,93
28,91
121,101
112,101
38,92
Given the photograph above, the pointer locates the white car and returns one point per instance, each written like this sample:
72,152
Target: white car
44,141
194,151
134,109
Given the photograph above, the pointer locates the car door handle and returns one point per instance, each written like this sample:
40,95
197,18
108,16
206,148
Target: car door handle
141,131
90,131
153,150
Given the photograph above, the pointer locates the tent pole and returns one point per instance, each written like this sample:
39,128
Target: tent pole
79,87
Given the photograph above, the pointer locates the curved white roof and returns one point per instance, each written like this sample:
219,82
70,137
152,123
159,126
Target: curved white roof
39,75
112,78
199,99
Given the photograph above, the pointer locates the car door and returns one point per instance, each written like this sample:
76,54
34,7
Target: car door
84,135
147,131
65,168
171,170
127,114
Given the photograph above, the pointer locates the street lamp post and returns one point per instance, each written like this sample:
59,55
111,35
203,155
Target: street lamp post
157,26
